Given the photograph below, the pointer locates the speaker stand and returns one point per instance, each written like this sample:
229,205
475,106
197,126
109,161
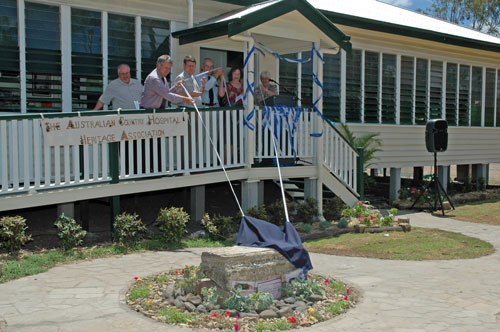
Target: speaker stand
436,188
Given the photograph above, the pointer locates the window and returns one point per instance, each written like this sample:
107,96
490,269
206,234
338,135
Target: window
353,86
451,93
406,90
155,41
9,66
476,96
331,85
463,96
371,87
421,91
288,74
86,58
43,58
388,88
498,99
121,44
489,115
435,91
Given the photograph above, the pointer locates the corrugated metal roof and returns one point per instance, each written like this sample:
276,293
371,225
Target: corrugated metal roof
380,11
240,12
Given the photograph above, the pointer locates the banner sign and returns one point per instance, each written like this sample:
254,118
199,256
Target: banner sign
85,130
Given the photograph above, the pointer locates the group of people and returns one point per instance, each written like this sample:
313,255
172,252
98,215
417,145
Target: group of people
207,89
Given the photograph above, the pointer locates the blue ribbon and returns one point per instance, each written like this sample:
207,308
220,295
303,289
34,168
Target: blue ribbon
282,113
246,121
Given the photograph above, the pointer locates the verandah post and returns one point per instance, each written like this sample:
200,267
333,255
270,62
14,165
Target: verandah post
361,174
114,172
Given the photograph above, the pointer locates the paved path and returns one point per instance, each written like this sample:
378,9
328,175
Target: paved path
399,296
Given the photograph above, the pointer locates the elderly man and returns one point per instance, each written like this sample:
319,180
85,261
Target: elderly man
122,92
156,91
211,91
190,82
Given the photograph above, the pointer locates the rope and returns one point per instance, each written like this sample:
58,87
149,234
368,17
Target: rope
215,150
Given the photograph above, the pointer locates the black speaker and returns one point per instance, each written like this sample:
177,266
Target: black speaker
436,135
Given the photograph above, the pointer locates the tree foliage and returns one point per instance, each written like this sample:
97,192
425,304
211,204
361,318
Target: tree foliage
481,15
370,143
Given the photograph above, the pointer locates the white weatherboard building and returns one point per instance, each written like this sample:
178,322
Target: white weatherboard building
386,70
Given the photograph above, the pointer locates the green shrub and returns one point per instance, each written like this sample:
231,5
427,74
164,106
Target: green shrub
127,228
307,211
210,296
258,212
342,223
140,292
332,208
305,228
70,232
336,308
174,316
218,227
277,325
276,212
238,302
389,219
301,289
172,223
192,278
324,225
12,233
260,301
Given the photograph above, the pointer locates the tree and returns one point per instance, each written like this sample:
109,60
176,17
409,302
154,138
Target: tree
370,143
481,15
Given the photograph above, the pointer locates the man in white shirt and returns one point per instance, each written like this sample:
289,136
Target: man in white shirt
210,93
122,92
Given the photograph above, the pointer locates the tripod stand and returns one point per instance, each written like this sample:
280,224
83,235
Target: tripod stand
436,188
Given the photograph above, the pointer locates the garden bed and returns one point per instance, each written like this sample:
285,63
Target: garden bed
178,297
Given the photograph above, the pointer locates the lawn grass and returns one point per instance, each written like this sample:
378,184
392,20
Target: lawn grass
31,264
419,244
479,212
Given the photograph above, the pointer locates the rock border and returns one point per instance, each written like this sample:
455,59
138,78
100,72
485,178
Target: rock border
358,228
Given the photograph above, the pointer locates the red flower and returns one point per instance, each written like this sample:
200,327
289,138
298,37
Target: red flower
237,317
236,327
213,315
220,316
227,314
136,278
360,203
176,271
413,190
292,320
349,289
308,275
361,219
182,271
346,297
326,281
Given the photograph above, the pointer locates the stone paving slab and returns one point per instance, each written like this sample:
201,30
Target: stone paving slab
398,296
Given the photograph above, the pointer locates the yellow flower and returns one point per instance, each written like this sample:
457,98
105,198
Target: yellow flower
311,318
131,303
139,279
310,310
150,286
149,302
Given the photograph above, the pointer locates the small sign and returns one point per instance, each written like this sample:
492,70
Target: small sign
272,286
247,287
84,130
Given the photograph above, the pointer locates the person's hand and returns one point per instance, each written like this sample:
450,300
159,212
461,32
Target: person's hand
188,100
179,84
203,81
218,72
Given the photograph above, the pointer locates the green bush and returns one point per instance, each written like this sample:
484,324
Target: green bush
238,302
218,227
192,278
175,316
276,212
258,212
172,223
307,211
342,223
127,228
332,208
210,296
305,228
70,232
260,301
12,233
324,225
301,289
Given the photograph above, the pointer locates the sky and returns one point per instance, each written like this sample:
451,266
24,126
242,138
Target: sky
410,4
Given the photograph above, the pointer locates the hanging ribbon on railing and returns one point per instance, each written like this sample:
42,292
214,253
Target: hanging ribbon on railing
249,89
282,115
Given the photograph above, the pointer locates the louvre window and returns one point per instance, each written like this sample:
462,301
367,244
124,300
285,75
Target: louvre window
121,44
421,91
489,116
463,96
9,66
476,96
155,41
43,58
353,86
331,84
388,88
435,91
406,90
451,93
498,99
307,84
288,74
86,58
371,87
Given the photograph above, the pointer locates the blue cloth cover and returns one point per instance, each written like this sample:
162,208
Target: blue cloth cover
262,234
